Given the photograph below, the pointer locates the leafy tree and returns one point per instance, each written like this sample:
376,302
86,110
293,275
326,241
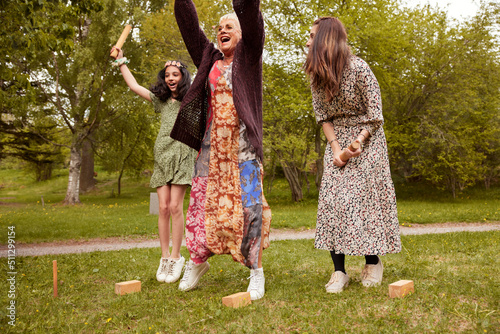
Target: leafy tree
438,80
440,105
128,144
289,125
67,71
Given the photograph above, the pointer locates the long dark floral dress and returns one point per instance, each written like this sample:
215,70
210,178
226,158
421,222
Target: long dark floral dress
357,213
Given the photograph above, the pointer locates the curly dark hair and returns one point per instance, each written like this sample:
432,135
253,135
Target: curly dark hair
161,90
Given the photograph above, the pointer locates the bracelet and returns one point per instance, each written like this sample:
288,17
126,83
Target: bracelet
120,62
361,134
331,141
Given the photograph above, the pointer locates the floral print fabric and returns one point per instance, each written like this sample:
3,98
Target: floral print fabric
227,209
173,160
357,212
223,206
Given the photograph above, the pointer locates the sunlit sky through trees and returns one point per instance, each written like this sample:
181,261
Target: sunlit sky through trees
458,9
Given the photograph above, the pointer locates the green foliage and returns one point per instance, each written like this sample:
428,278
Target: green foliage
127,145
439,80
289,130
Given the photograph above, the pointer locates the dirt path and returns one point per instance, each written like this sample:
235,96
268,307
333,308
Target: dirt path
109,244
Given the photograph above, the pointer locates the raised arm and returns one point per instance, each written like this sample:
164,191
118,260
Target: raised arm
252,26
129,78
189,26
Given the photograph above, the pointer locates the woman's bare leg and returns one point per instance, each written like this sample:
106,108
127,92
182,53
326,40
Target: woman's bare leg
177,193
164,196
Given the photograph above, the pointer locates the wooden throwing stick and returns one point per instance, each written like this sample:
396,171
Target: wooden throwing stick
121,40
353,147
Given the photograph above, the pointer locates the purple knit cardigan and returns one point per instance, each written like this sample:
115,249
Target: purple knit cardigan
190,125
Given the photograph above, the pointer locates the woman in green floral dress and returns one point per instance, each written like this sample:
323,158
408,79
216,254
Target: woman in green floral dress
174,161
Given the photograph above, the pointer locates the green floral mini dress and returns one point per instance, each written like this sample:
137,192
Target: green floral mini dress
174,161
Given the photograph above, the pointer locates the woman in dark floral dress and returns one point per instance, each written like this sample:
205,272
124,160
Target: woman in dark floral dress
357,213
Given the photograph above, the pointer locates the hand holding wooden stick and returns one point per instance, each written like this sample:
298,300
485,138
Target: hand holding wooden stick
353,147
121,40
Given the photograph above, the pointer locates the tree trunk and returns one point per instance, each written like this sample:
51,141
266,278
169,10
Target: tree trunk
319,161
73,191
87,180
120,182
292,175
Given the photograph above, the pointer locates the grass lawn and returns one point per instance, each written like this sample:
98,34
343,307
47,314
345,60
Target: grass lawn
103,214
455,275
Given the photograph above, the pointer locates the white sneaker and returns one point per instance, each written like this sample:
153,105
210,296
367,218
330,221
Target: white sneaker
371,275
192,275
257,282
163,268
175,270
337,282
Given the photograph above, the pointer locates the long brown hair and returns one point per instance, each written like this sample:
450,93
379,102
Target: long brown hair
328,56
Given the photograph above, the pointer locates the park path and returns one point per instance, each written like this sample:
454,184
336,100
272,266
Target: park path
110,244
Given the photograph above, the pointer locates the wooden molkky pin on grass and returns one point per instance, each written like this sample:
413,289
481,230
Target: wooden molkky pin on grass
401,288
237,300
54,276
124,288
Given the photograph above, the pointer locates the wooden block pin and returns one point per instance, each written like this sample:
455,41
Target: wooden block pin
237,300
123,288
353,147
401,288
54,276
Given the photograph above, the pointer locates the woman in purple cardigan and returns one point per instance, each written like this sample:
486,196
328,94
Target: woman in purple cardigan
221,117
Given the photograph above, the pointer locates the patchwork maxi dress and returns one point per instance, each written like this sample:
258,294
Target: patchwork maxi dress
227,212
357,212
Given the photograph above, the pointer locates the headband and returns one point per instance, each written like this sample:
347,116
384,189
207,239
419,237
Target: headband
174,63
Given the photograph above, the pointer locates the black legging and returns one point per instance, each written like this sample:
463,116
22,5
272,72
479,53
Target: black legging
339,260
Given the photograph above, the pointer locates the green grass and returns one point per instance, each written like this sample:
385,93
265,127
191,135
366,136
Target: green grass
455,275
103,215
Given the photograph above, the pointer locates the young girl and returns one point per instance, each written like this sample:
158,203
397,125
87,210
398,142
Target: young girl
174,161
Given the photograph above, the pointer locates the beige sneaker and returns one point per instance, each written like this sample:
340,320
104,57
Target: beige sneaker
371,275
337,282
163,269
175,270
192,275
257,283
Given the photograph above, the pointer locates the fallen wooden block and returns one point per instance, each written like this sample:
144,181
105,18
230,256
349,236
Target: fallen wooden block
400,288
123,288
238,299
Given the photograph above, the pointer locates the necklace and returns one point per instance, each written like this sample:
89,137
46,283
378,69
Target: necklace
227,65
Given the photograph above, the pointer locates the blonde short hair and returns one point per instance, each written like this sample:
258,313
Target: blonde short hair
231,16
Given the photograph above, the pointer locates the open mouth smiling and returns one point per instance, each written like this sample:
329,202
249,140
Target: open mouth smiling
225,39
